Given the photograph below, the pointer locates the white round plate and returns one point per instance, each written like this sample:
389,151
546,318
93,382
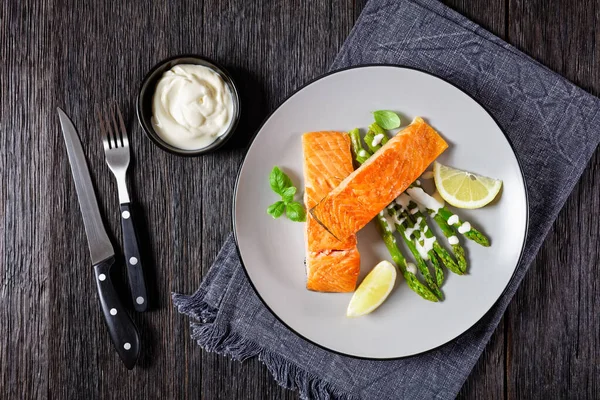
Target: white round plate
272,251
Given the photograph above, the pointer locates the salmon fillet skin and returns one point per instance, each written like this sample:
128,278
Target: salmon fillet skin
382,178
332,265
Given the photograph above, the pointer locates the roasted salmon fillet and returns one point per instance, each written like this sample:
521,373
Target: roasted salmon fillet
335,271
332,265
382,178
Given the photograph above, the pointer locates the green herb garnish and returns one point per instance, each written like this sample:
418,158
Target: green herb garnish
279,181
288,194
282,185
295,212
276,209
387,119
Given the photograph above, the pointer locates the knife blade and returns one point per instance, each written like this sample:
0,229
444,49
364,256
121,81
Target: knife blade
121,328
98,241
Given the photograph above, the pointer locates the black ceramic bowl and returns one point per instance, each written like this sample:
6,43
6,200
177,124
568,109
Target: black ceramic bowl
144,103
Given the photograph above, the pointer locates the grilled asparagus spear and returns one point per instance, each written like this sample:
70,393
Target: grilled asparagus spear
411,279
375,137
399,223
463,227
427,238
457,249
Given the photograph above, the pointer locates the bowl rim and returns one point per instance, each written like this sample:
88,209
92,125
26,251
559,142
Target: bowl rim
186,59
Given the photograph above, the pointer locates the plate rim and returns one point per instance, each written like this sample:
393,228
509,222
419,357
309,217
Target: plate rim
237,180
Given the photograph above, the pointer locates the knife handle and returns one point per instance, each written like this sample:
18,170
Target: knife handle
135,272
122,331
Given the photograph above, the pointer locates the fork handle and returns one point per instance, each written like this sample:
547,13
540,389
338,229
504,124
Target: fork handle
135,272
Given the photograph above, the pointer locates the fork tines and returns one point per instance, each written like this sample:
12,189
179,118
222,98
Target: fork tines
114,135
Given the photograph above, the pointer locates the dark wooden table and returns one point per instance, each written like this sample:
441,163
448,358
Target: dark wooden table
72,54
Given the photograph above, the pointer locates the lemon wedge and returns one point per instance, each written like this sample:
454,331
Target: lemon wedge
464,189
373,290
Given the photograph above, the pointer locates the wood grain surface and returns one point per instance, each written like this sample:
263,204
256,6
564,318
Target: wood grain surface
74,54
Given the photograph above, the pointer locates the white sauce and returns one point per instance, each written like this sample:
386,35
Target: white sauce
414,210
362,153
420,197
191,107
422,252
410,267
418,182
389,222
398,221
427,175
377,140
403,201
453,240
453,220
426,247
408,232
464,228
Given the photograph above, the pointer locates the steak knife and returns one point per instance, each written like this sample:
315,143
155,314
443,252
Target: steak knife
121,328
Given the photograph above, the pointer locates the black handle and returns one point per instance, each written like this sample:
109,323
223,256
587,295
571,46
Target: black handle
122,331
135,272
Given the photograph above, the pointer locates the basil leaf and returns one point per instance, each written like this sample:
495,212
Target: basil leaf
387,119
282,185
288,194
279,181
295,212
276,209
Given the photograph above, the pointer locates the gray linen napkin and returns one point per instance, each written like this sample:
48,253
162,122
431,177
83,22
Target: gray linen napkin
555,128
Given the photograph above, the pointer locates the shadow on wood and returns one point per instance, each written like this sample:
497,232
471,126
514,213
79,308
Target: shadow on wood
252,99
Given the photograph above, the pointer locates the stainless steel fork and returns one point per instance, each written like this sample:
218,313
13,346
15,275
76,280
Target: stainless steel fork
116,150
